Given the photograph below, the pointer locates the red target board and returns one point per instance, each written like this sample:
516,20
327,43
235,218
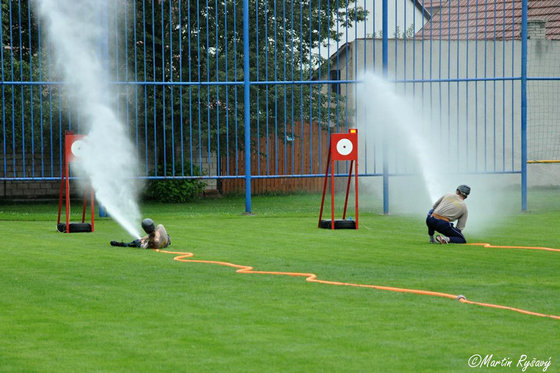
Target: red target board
72,146
344,146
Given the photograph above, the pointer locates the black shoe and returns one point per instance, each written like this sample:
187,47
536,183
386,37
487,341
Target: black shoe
116,243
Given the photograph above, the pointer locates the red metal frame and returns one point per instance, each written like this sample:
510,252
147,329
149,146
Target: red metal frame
334,155
69,139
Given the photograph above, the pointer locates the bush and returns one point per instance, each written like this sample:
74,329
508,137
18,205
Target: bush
175,190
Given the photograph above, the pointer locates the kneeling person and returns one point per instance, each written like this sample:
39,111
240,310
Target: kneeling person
447,209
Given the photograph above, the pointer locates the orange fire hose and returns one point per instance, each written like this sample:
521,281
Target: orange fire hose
311,277
483,244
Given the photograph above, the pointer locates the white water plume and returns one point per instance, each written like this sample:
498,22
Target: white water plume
389,122
108,157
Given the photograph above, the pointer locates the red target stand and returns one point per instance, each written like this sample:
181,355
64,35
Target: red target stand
343,147
72,149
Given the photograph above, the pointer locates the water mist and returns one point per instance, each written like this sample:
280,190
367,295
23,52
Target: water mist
108,157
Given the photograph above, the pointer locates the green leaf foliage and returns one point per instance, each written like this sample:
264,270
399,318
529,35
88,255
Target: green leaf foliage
175,190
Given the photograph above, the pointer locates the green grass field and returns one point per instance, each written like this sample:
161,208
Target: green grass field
72,303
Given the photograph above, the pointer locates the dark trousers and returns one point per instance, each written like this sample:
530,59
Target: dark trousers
444,227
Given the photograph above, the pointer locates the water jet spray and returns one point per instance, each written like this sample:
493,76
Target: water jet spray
108,163
422,154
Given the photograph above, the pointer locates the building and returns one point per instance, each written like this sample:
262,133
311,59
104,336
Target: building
486,19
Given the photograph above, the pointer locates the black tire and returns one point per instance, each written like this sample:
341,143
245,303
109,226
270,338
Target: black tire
74,227
338,224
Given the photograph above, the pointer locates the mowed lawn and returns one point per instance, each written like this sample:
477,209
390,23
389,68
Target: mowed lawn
72,303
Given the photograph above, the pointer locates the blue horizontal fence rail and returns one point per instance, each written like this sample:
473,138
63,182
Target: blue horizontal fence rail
251,90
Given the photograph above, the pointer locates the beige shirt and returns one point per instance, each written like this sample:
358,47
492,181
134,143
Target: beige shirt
156,240
453,207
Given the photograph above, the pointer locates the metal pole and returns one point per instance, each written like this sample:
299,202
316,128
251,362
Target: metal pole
524,106
247,108
385,58
104,41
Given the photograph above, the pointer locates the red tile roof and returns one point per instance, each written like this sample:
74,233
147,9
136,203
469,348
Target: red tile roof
487,19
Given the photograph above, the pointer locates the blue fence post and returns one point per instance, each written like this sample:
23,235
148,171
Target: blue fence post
247,107
524,106
385,58
104,41
102,212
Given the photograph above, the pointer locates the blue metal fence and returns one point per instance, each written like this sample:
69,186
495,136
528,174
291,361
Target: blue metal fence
204,85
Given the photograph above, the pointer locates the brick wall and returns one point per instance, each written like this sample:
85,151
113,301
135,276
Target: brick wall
49,189
29,189
209,167
536,29
29,166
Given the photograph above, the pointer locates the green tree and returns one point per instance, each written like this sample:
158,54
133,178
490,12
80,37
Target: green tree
30,113
202,41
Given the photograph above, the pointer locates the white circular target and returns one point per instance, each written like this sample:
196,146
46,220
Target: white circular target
344,147
77,148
